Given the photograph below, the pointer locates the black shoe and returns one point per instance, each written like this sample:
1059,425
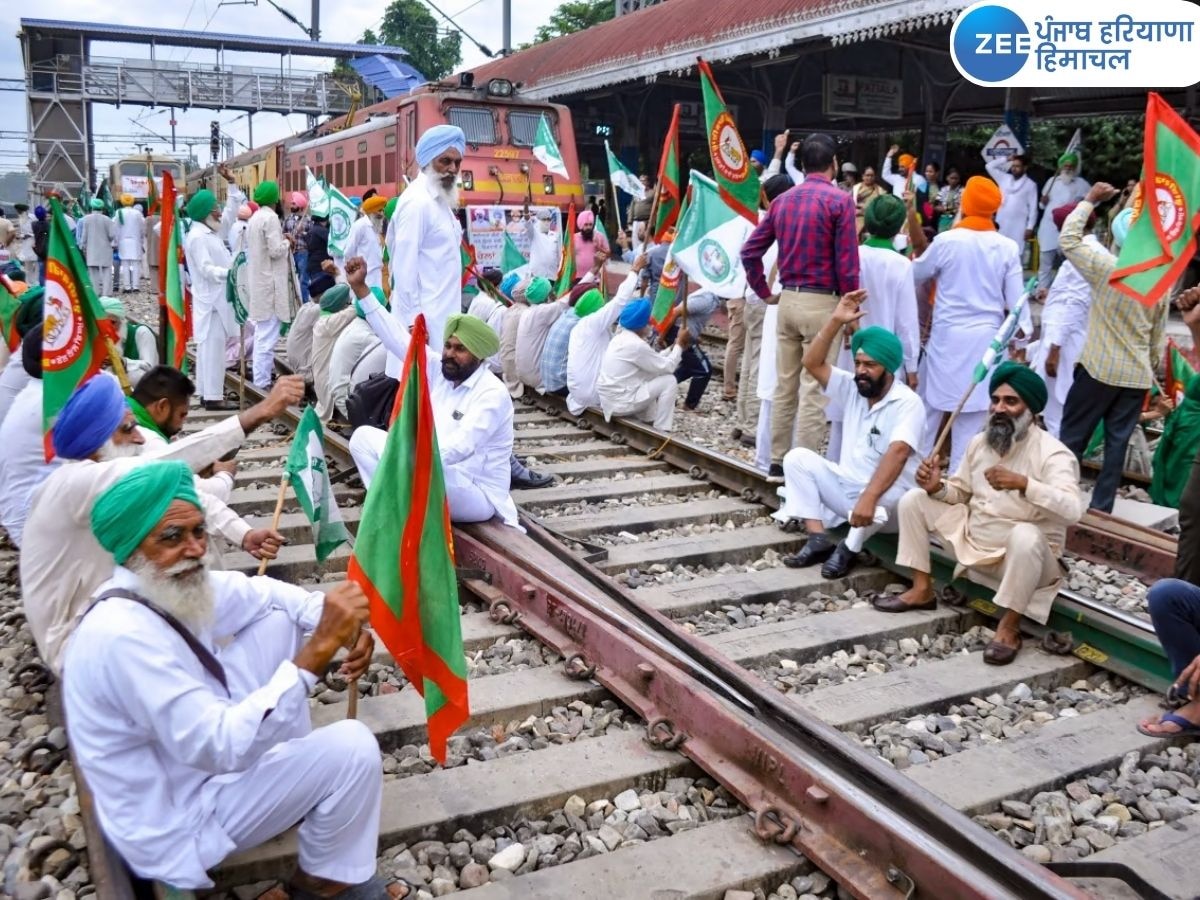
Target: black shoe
747,440
533,480
736,434
840,563
219,406
815,550
775,473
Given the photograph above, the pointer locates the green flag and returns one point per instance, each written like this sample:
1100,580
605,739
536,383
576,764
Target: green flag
670,194
736,179
1160,245
709,238
566,273
512,257
174,295
73,344
309,477
105,196
326,201
622,177
404,557
9,307
545,150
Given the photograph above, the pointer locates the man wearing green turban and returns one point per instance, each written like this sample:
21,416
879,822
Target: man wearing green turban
1004,514
97,239
187,695
1066,188
882,425
139,349
270,273
472,411
337,314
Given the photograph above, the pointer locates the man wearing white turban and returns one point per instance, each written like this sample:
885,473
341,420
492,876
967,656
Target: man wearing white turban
424,240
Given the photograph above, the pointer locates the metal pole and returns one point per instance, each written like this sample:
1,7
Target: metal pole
315,28
506,28
250,121
173,122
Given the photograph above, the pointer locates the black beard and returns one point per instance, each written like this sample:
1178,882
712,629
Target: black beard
1001,433
870,388
452,371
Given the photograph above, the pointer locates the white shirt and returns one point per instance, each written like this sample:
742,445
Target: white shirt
220,485
629,364
23,463
25,238
1019,206
532,332
491,311
1064,323
898,181
474,420
363,241
99,236
152,729
1057,192
237,236
898,417
887,277
978,277
545,252
209,260
586,346
269,267
131,232
13,380
425,262
62,564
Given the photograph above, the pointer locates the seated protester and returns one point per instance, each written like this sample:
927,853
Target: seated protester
95,435
1175,611
694,364
1004,513
15,375
589,340
299,336
372,362
635,380
23,463
160,403
508,334
472,412
186,693
884,424
138,346
533,328
355,339
582,301
337,312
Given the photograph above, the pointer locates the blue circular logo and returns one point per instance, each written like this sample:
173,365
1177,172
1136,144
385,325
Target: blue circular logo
991,43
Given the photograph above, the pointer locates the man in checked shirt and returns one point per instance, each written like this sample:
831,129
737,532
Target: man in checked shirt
814,227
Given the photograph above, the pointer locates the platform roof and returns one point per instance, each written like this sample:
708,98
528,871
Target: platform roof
132,34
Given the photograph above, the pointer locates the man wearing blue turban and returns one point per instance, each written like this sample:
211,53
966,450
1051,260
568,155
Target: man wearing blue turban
636,380
884,421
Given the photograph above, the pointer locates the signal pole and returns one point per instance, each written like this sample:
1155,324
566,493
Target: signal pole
315,27
506,45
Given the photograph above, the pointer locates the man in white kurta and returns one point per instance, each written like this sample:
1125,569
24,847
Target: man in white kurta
1003,514
363,240
884,422
978,275
61,563
1066,188
355,339
898,177
138,347
23,248
472,412
590,339
270,271
545,248
23,463
424,253
636,380
131,239
15,375
534,328
186,694
97,238
1019,207
209,262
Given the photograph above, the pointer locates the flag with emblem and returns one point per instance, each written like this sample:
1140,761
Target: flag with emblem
309,476
1161,243
666,294
622,177
74,345
170,280
404,556
736,179
709,238
566,272
545,150
326,201
670,195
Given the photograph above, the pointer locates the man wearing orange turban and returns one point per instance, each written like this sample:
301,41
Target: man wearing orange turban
898,178
978,274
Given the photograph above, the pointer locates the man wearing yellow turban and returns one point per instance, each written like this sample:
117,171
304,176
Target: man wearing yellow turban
131,242
978,275
187,698
365,238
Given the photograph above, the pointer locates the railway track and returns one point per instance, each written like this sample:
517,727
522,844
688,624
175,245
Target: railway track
659,709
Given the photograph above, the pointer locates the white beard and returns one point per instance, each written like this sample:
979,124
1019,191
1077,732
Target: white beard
1067,179
111,451
447,195
183,590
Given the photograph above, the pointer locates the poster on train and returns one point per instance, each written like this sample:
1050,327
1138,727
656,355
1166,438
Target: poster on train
137,185
486,226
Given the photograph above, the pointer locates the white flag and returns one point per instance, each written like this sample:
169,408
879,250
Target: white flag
1076,146
622,177
709,238
546,151
327,202
309,477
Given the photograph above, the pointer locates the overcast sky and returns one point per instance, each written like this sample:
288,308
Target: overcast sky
341,21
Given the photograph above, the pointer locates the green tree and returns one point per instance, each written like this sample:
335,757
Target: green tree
575,15
410,24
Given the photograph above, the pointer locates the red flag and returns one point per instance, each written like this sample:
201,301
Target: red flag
670,197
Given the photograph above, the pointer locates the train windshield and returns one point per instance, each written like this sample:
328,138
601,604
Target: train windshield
138,168
477,123
523,126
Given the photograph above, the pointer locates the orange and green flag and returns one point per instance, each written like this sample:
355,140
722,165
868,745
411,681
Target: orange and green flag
9,306
1179,372
566,274
404,556
1160,245
736,179
151,191
170,280
670,196
74,344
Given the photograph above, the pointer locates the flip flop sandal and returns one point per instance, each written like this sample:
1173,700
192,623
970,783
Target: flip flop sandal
373,889
1185,727
998,654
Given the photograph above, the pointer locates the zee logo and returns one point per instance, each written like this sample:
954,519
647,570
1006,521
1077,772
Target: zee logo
990,43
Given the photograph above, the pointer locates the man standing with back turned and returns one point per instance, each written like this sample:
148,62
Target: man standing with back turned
818,262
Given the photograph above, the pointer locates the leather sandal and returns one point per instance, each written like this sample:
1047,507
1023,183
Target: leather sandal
893,604
998,654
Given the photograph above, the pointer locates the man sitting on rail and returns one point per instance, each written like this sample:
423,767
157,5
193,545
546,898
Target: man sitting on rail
471,410
139,349
61,563
636,380
186,694
883,426
1010,501
23,463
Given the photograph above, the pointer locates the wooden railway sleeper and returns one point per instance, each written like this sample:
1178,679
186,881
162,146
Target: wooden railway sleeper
661,733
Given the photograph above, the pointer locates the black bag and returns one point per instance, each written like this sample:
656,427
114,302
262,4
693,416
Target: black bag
371,402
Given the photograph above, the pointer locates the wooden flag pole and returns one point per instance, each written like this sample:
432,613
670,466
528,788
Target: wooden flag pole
283,483
242,367
118,365
352,686
617,207
945,433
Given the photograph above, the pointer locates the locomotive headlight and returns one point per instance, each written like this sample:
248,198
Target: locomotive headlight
499,87
468,180
547,184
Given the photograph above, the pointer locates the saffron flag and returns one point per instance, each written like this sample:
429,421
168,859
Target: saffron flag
404,557
74,345
512,257
545,150
670,195
1160,245
566,273
736,179
309,477
151,191
622,177
326,201
709,238
171,294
